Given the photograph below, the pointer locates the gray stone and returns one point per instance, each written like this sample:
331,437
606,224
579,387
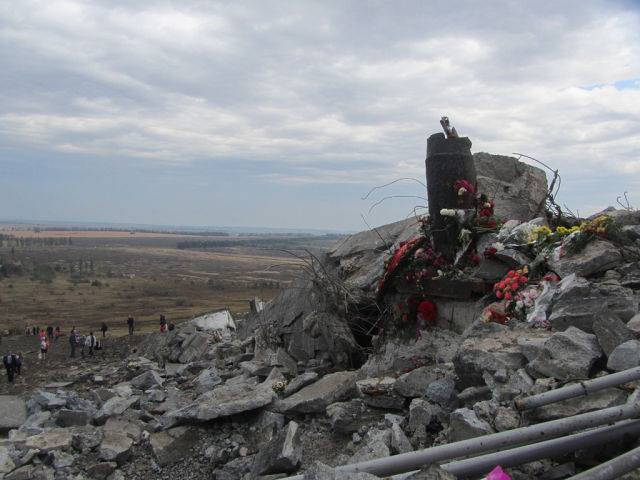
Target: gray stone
568,355
519,189
101,470
611,332
598,256
576,303
307,378
379,393
626,355
634,324
414,383
348,417
31,472
70,418
283,359
376,446
6,463
48,400
55,439
282,454
442,391
488,353
465,424
255,368
235,469
101,395
115,447
207,380
147,380
13,412
506,419
423,415
317,396
62,460
267,425
114,406
128,427
224,401
192,348
173,444
399,441
85,438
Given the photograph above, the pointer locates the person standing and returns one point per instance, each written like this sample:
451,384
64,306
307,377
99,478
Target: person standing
9,365
90,341
163,324
130,324
50,332
18,363
56,333
73,342
44,348
104,329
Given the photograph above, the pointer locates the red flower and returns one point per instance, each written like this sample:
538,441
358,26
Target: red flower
464,184
427,312
490,252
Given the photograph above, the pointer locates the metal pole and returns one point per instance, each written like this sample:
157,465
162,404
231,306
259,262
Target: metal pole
547,449
415,460
578,389
612,469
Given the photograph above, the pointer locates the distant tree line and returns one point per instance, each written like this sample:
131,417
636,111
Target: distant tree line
23,242
273,243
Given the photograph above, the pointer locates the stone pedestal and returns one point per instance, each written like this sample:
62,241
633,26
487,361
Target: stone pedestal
448,160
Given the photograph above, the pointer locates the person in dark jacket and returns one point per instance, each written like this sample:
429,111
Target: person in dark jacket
130,324
104,329
9,362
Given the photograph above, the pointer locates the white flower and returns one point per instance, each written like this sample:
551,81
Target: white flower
498,246
462,191
448,212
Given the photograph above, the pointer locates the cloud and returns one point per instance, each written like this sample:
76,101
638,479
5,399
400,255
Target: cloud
322,93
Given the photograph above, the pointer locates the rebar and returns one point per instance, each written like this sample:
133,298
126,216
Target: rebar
578,389
526,435
612,469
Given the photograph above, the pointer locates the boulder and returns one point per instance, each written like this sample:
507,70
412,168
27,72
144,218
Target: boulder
568,355
101,470
13,412
85,438
223,401
424,415
173,444
597,257
207,380
282,454
576,303
379,393
48,400
147,380
115,447
626,355
70,418
414,383
519,189
634,324
375,446
299,382
464,424
130,428
611,332
348,417
317,396
114,406
399,441
55,439
6,462
442,391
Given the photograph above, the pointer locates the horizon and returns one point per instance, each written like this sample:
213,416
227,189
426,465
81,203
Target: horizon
265,113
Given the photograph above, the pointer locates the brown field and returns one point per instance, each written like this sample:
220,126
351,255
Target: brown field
83,234
139,275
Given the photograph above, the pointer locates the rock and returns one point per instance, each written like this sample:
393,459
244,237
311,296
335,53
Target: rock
519,189
379,393
376,446
267,425
568,355
62,460
283,359
70,418
414,383
576,303
224,401
235,469
55,439
506,419
147,380
282,454
465,424
626,355
399,441
442,391
611,332
101,395
299,382
6,463
207,380
173,444
101,470
610,397
86,438
114,406
31,472
634,324
317,396
192,348
128,427
255,368
13,412
424,416
115,447
348,417
598,256
49,401
157,396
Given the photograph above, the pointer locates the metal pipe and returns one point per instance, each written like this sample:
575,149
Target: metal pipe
578,389
547,449
405,462
612,469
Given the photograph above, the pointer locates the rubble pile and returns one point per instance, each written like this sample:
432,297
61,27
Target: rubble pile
331,373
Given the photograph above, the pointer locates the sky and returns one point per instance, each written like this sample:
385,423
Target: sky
285,114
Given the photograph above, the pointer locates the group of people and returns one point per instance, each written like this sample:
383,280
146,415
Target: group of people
164,325
13,365
51,333
85,342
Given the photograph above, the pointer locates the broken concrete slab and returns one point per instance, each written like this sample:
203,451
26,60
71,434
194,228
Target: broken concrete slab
13,412
317,396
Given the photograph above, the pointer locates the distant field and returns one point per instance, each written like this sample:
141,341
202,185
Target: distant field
106,276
